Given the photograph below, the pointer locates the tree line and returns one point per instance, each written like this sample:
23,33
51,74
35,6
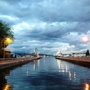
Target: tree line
5,31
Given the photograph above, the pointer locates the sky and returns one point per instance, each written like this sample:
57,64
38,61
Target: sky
51,26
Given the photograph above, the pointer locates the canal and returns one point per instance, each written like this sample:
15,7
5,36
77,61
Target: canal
46,73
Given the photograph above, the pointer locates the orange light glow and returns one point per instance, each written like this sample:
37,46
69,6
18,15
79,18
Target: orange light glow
87,86
7,41
6,87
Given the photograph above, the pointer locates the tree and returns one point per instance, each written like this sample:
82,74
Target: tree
5,31
87,53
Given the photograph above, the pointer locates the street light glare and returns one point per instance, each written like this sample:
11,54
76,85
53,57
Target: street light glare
85,39
8,40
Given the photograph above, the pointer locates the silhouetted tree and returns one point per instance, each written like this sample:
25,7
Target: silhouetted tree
5,31
87,53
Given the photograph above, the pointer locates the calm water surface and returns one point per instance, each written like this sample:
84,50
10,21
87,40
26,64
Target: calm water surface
47,74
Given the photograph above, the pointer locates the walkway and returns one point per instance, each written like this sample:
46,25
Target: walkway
10,62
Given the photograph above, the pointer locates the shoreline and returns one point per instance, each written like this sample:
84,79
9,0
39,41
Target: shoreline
14,62
82,61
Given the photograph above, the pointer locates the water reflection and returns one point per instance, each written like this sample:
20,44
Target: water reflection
36,63
65,69
6,87
27,72
46,74
3,81
44,59
74,75
61,67
87,86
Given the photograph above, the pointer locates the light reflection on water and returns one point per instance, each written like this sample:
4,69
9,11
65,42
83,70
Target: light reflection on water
48,74
87,86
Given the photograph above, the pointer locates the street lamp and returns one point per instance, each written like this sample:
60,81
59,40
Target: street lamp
4,42
8,40
85,39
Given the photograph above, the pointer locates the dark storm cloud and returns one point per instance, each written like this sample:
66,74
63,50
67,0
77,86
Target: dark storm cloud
56,32
51,10
82,27
44,21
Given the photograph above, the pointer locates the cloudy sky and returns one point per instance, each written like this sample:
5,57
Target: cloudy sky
51,26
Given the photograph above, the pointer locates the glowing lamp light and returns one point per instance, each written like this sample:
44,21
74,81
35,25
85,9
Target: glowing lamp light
8,40
85,39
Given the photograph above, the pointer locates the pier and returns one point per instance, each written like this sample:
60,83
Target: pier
83,61
13,62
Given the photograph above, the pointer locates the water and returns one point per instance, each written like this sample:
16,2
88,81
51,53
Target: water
47,74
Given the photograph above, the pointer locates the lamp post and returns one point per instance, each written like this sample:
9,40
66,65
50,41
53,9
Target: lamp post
5,41
86,39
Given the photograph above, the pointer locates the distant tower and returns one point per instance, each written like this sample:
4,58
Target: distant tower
36,52
59,53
